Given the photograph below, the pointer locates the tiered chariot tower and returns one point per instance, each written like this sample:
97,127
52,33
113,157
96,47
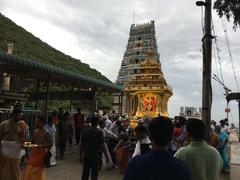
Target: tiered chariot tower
141,39
141,76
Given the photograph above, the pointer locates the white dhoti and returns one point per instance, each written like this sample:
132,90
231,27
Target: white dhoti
53,161
10,160
110,162
11,149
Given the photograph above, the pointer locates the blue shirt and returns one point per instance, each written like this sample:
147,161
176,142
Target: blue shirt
157,165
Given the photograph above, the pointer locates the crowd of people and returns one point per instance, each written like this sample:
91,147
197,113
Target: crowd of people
158,148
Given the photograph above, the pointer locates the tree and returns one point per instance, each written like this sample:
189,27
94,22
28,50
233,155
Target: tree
230,9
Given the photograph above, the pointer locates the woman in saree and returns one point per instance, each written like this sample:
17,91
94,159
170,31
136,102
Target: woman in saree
223,140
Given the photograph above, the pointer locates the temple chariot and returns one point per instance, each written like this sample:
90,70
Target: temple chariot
146,90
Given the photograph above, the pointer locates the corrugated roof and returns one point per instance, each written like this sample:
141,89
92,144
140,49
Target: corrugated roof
6,58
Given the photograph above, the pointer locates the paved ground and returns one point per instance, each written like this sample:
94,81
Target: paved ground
70,169
235,161
235,153
235,172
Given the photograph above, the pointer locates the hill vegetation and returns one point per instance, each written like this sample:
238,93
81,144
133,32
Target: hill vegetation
29,46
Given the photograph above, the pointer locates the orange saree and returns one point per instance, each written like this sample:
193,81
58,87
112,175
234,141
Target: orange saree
35,168
9,168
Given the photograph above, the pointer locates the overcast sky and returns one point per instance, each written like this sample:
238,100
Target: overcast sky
97,32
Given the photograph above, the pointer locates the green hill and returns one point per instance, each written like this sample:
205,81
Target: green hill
29,46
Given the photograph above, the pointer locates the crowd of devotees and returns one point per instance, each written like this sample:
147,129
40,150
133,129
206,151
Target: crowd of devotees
157,148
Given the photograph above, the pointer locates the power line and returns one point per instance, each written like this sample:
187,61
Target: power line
229,51
218,52
227,90
216,66
215,60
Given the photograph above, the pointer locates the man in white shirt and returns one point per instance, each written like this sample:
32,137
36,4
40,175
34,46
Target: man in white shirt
115,128
108,122
108,135
117,124
224,127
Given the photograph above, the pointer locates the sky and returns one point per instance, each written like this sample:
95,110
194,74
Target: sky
96,32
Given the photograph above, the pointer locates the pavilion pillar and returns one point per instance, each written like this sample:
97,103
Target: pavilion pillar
239,120
121,103
47,97
1,81
37,91
119,108
71,95
94,99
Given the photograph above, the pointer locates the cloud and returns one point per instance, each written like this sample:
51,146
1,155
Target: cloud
97,33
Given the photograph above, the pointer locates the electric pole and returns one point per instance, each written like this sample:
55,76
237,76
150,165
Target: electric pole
207,65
